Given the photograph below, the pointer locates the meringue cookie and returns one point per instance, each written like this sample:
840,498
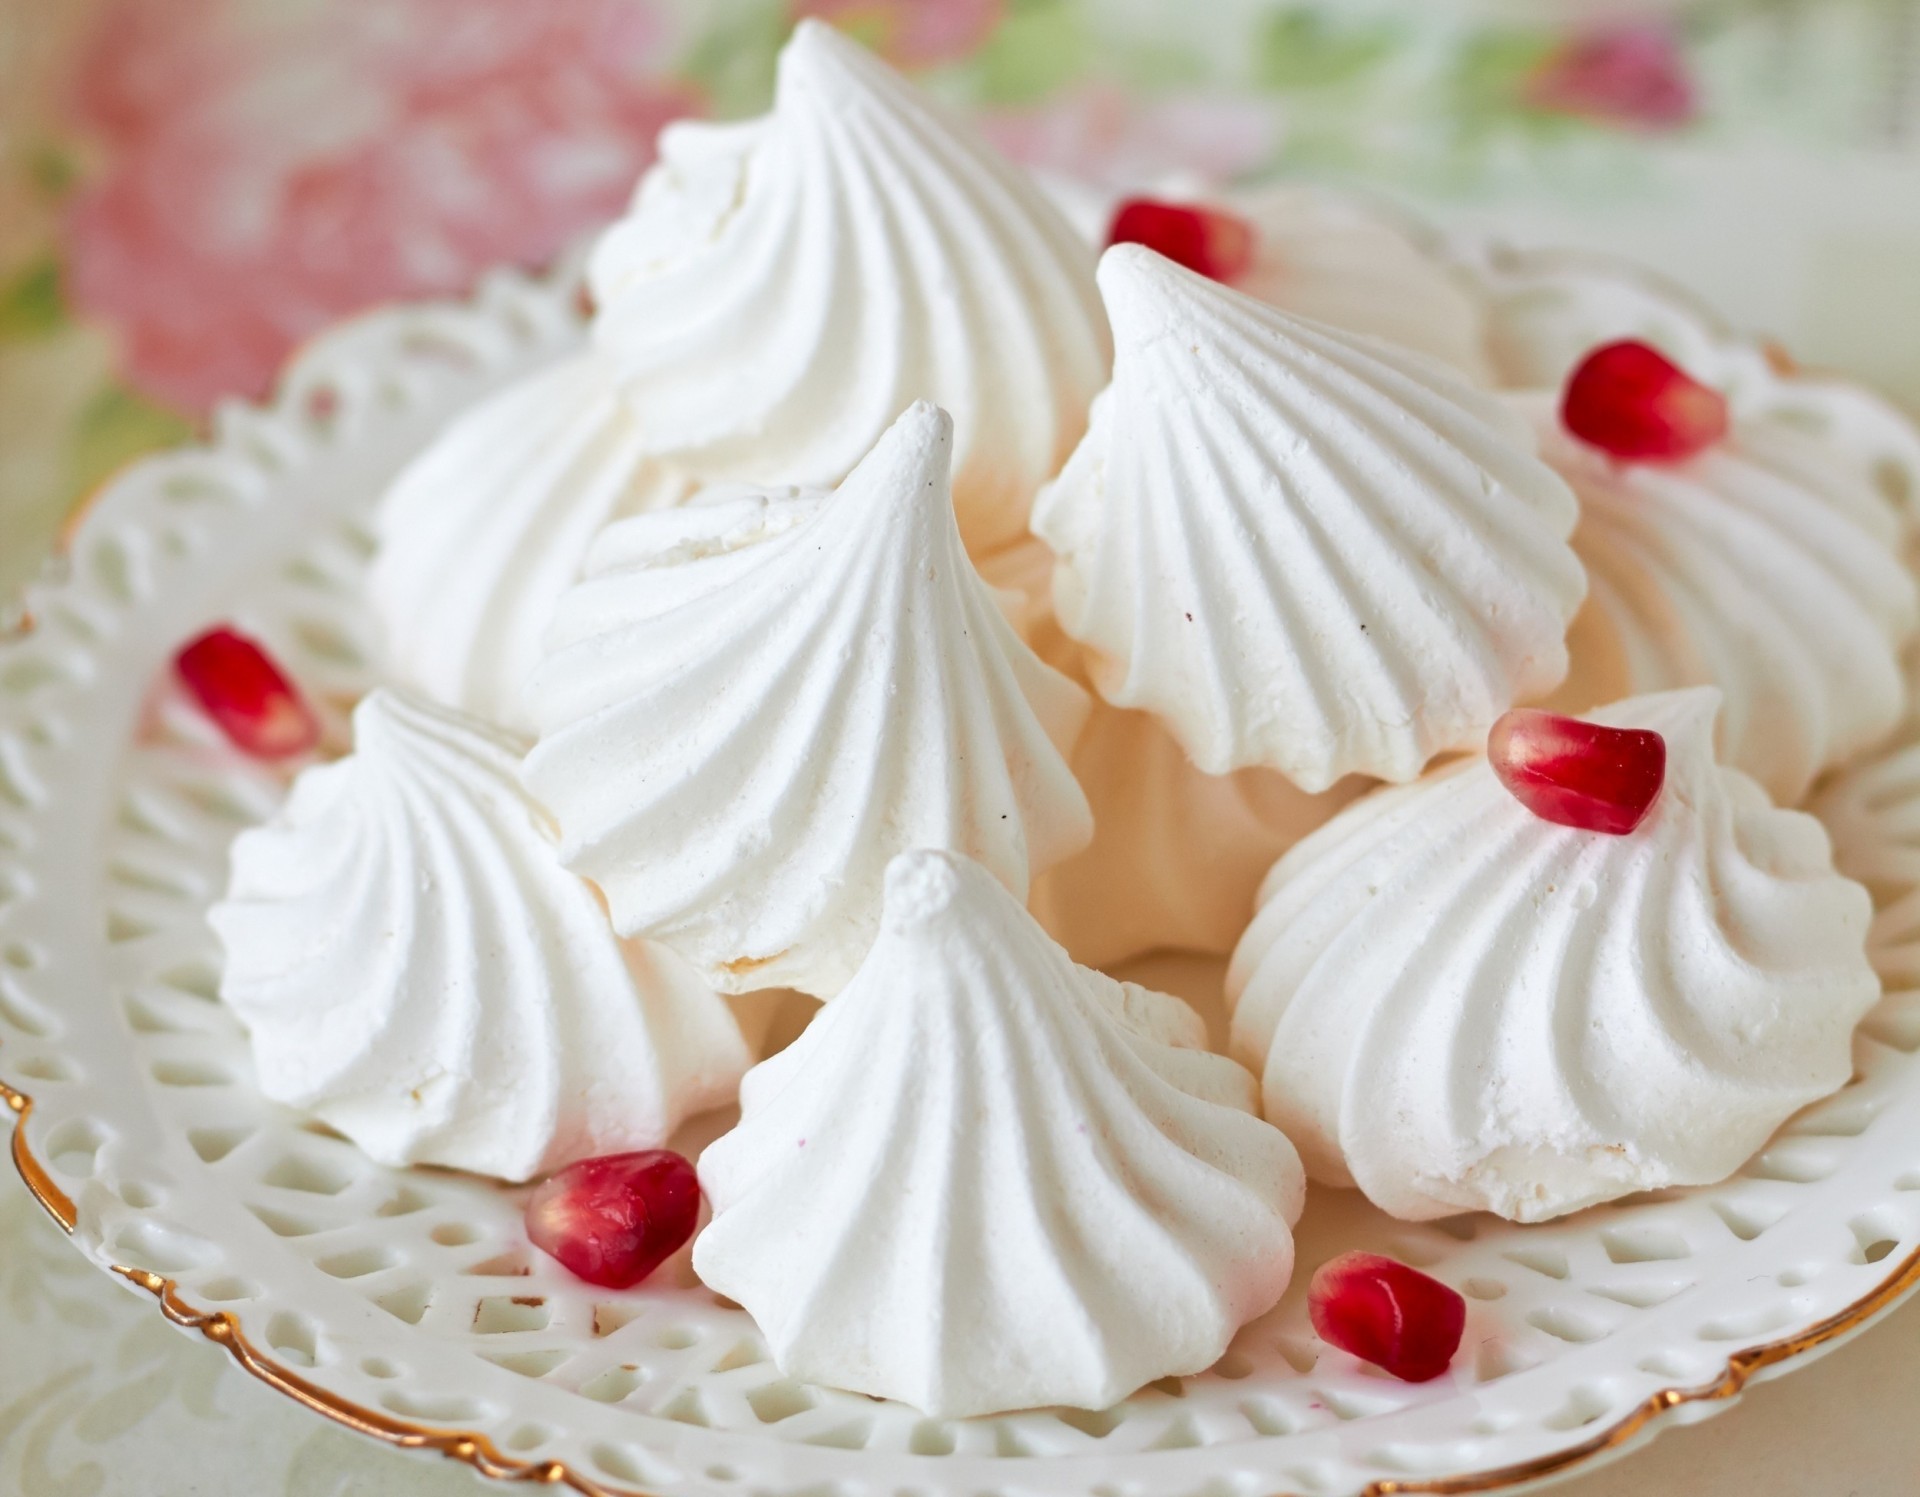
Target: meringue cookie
485,529
417,969
748,707
1872,811
1757,567
977,1184
1459,1006
784,287
1302,549
1332,257
1176,854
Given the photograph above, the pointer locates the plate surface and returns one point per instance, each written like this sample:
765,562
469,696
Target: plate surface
406,1303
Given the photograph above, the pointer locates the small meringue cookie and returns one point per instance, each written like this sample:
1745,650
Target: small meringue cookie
1300,548
485,529
416,968
1458,1006
749,706
784,287
1871,809
1177,854
1335,258
953,1187
1758,567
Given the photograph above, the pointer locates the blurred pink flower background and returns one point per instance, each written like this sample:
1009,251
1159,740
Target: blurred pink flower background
265,171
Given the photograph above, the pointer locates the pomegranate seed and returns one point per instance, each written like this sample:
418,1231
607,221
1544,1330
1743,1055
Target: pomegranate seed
1578,774
614,1220
1634,403
1388,1314
250,698
1205,240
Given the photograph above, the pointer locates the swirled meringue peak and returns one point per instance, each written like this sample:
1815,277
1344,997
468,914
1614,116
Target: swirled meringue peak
418,970
1759,566
1301,548
749,706
783,287
486,528
1457,1005
1333,257
987,1179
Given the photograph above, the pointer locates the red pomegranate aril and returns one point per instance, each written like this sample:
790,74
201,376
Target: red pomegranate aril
1206,240
1634,403
614,1220
1578,774
248,697
1388,1314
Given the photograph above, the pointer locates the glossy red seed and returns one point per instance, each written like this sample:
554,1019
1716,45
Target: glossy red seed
250,698
1388,1314
614,1220
1206,240
1633,403
1578,774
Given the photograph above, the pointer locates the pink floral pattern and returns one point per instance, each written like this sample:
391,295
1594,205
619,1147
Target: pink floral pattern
1632,76
262,178
1103,134
912,33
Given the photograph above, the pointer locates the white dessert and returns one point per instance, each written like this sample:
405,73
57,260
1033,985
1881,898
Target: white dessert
1332,257
988,1179
1177,854
1761,566
416,968
1299,548
1456,1005
485,529
784,287
749,706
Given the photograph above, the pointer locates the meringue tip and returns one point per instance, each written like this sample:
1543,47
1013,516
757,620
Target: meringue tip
913,454
819,54
921,885
1137,283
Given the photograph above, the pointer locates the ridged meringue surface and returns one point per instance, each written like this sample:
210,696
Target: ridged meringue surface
1300,548
486,528
749,706
1459,1006
987,1179
417,969
1758,567
783,288
1176,854
1331,257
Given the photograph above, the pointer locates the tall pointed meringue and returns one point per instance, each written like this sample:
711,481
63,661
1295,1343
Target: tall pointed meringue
749,706
1302,549
986,1179
417,969
784,287
1332,257
1761,567
481,533
1459,1006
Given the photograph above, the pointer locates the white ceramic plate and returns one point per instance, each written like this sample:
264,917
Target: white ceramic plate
407,1304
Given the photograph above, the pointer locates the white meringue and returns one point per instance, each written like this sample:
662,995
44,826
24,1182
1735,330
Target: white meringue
1176,854
1757,567
1333,257
485,529
1871,809
1459,1006
784,287
985,1178
1302,549
748,707
417,969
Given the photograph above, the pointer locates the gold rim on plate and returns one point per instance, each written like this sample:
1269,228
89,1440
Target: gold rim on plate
476,1450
